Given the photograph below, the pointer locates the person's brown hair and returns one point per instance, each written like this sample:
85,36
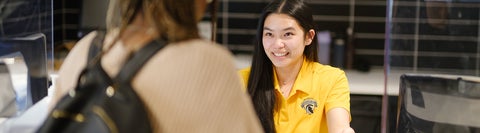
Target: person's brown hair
174,20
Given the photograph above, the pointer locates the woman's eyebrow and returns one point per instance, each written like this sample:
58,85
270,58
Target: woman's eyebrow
288,28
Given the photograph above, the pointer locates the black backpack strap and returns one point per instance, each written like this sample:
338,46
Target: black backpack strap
93,61
96,45
140,57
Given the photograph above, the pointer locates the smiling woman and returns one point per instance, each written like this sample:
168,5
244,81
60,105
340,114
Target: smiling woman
284,41
290,90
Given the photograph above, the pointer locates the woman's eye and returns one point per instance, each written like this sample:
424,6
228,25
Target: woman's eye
288,34
268,34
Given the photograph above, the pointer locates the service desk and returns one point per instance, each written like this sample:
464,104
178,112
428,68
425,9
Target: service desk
27,122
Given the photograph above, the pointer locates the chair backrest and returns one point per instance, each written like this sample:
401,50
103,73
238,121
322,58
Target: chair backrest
438,104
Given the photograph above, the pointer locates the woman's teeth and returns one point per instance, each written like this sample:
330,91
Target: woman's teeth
280,54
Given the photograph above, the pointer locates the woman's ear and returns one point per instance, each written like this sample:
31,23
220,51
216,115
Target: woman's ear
309,37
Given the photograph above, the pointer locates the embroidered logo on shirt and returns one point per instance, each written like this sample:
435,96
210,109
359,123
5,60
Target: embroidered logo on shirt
309,105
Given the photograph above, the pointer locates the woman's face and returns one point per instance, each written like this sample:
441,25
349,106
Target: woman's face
284,40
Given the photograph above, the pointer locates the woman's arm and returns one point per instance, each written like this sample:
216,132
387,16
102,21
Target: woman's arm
338,116
338,121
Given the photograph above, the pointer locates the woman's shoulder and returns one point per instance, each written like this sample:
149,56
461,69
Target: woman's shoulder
79,51
72,65
84,43
200,48
207,52
202,44
326,69
199,54
245,72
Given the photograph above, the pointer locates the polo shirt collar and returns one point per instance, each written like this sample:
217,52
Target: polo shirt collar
302,81
304,78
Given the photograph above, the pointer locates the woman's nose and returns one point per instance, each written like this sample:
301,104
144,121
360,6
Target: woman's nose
279,43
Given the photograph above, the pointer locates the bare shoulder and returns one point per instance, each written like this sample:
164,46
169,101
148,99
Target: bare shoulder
71,66
77,56
85,41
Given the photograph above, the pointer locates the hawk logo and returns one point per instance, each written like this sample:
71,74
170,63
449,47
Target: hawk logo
309,105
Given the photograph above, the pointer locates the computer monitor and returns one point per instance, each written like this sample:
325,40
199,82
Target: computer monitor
438,104
34,51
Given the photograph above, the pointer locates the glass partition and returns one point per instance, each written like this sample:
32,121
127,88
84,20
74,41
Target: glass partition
435,37
431,39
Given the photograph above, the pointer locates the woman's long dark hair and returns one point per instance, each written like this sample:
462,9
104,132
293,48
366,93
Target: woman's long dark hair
260,82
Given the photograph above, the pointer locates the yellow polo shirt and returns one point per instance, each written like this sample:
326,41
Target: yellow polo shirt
317,89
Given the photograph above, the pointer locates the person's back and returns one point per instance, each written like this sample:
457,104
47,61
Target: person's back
191,85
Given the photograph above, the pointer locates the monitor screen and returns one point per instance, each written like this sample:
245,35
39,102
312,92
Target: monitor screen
438,104
34,51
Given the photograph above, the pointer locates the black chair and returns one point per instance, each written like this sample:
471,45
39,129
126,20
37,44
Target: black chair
438,104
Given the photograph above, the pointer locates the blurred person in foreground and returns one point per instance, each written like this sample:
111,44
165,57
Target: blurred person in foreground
191,85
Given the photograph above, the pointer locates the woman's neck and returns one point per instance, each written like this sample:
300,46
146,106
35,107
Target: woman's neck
138,33
288,74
